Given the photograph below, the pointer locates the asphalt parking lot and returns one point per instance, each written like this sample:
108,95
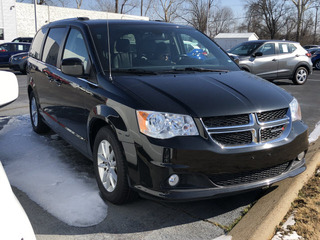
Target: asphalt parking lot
146,219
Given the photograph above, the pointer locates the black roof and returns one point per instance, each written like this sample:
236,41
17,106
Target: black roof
87,21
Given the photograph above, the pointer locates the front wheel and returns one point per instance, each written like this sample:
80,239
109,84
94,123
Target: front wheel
37,123
300,76
110,168
317,65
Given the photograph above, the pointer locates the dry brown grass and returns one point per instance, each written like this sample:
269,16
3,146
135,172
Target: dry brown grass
306,209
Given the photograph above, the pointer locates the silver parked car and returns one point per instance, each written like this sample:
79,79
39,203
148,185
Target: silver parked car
271,59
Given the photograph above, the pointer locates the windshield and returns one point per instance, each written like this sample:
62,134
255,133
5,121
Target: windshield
245,49
154,48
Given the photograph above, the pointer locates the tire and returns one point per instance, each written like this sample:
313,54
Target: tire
37,122
317,65
110,168
300,76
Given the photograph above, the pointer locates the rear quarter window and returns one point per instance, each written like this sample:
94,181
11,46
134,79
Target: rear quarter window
285,48
52,45
36,46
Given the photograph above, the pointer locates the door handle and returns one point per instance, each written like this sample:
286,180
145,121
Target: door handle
274,60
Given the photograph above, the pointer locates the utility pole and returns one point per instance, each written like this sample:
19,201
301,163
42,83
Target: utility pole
315,26
35,15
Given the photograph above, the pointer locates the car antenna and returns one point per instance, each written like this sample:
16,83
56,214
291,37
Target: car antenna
109,51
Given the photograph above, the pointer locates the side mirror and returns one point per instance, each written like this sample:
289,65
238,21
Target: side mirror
72,66
9,88
234,57
257,54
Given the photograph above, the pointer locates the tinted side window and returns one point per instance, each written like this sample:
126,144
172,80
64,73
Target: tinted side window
20,47
4,48
76,48
267,49
52,45
37,43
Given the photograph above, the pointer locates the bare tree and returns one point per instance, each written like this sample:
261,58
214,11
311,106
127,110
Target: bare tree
198,13
167,10
79,3
123,7
102,5
272,12
221,20
145,5
302,6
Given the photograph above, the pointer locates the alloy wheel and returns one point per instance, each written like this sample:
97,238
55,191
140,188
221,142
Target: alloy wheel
34,112
301,75
107,166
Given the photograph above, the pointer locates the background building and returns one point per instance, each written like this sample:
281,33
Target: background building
18,19
229,40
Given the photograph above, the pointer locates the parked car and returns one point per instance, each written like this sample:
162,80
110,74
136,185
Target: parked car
176,128
9,49
9,89
310,46
271,59
313,50
23,39
315,57
13,220
18,62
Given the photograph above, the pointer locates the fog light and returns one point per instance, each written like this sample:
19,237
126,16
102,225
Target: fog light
301,156
173,180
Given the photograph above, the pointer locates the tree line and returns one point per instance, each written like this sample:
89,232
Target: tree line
270,19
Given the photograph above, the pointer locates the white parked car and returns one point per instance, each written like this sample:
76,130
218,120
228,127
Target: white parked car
14,222
9,88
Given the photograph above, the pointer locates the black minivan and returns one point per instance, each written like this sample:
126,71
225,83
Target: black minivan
157,119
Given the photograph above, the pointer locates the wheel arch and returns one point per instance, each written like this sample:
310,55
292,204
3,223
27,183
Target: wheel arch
305,65
103,116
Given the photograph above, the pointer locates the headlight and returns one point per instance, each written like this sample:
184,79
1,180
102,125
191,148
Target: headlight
295,110
165,125
19,58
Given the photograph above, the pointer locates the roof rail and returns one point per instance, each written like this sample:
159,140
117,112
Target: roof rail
83,18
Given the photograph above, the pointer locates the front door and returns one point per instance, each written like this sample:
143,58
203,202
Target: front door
266,66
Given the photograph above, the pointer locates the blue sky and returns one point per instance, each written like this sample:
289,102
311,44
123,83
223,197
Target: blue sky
237,6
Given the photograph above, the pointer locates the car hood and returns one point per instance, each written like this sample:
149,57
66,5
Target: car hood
205,94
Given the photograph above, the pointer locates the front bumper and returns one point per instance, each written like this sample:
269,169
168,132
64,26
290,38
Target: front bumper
214,192
17,65
207,171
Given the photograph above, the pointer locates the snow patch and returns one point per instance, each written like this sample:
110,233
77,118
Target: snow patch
35,165
285,233
223,237
315,133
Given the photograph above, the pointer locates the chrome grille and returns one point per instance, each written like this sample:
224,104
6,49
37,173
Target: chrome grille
225,121
272,115
248,129
250,176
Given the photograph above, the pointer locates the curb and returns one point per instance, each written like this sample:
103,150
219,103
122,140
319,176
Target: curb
260,222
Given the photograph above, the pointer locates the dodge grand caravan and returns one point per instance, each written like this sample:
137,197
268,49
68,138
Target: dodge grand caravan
154,119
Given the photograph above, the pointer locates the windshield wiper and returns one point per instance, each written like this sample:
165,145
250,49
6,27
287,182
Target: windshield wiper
196,69
134,71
